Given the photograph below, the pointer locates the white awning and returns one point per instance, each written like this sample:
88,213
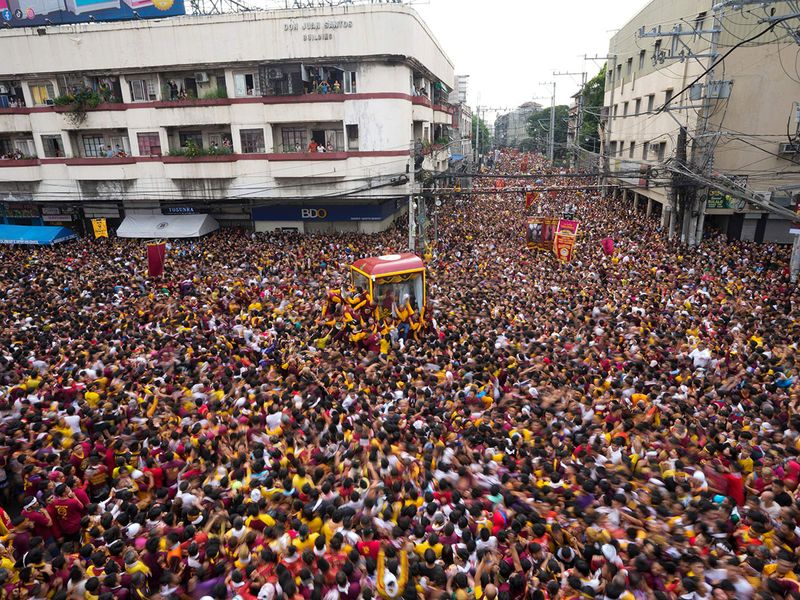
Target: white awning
166,226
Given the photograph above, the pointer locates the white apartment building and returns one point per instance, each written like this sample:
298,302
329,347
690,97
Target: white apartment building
311,119
751,104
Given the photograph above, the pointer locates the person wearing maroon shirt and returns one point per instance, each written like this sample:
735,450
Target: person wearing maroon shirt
43,525
66,511
97,476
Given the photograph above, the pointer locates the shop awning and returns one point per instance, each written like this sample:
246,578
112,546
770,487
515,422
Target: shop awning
38,235
166,226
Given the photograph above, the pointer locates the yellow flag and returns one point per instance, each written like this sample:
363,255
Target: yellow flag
100,228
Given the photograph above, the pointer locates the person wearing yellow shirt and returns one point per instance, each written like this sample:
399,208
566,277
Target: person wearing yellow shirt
300,479
433,543
305,539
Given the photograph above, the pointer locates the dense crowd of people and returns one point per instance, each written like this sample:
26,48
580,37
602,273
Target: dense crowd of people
620,427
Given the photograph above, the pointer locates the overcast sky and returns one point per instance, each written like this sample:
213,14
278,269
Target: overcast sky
508,47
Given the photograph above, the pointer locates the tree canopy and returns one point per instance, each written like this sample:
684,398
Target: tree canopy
485,139
593,97
539,130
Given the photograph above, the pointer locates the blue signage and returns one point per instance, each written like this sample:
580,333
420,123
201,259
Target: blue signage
178,210
327,212
35,13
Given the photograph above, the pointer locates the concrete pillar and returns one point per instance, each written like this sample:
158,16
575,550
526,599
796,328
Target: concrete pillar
664,215
649,210
125,88
625,195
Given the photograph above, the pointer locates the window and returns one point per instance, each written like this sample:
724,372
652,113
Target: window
612,149
149,144
221,85
219,140
245,84
651,100
645,148
294,139
352,137
662,148
641,60
619,73
143,90
349,78
42,93
638,106
621,148
25,147
667,96
184,137
657,53
631,149
698,23
625,109
334,140
629,68
610,77
53,147
616,110
94,146
252,140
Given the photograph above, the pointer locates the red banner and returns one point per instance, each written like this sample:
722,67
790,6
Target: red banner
529,198
564,246
156,256
567,226
608,246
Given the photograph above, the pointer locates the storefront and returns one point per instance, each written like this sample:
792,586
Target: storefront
329,218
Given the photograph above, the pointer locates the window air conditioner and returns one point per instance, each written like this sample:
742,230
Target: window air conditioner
788,148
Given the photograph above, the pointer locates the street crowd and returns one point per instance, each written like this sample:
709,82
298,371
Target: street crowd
622,426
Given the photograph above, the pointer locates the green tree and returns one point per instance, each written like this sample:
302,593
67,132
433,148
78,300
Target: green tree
593,97
539,130
485,141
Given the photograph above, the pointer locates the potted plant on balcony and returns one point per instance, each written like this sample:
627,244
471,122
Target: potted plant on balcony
78,103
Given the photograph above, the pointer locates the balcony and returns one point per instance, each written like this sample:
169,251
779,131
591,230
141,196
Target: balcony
200,153
200,167
23,169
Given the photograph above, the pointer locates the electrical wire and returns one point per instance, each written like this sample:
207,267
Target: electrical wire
725,55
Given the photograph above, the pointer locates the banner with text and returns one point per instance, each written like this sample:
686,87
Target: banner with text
100,227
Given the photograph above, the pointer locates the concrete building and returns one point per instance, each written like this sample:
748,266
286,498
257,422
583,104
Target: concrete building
461,138
220,114
511,128
748,103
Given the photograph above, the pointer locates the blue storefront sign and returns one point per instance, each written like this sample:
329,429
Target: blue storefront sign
327,212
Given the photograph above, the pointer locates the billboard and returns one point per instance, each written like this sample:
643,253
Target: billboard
332,212
33,13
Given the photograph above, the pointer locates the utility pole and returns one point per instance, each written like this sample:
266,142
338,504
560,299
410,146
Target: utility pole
552,136
412,226
604,143
692,205
477,134
579,119
704,145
